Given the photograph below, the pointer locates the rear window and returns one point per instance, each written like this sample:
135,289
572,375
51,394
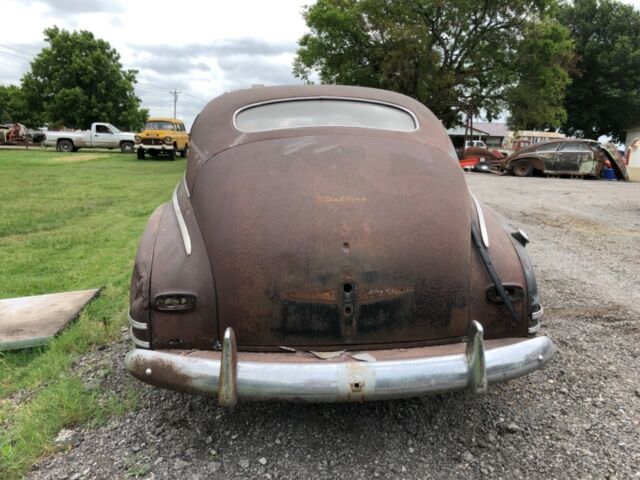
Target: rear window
324,113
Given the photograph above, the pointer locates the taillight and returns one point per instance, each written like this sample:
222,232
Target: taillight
175,302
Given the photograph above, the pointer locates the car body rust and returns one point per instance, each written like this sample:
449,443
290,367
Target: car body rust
321,238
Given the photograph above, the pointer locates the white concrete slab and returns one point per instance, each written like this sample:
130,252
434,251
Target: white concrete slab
31,321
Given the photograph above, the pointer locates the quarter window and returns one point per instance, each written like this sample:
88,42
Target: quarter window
324,113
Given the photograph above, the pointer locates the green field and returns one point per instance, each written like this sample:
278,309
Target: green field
67,222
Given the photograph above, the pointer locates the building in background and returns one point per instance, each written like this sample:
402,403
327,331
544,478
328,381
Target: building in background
457,135
496,133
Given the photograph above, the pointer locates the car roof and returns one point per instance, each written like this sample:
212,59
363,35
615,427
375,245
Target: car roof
214,131
567,140
163,119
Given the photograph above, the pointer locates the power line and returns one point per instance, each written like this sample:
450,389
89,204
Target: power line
13,55
10,64
4,45
195,98
149,85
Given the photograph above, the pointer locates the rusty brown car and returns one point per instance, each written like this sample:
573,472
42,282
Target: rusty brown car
323,246
583,158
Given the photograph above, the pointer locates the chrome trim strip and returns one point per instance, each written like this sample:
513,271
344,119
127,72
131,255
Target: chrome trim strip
184,183
538,314
483,225
137,325
138,343
186,239
534,329
326,97
337,381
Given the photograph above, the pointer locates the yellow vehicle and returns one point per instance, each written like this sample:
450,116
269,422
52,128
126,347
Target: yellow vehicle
162,136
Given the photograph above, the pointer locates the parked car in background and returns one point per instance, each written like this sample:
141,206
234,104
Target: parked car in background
475,143
162,136
584,158
323,246
19,134
101,135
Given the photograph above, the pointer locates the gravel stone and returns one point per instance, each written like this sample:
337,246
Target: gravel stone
180,464
513,428
65,438
585,239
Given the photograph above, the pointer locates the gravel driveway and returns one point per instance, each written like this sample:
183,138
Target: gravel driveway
577,418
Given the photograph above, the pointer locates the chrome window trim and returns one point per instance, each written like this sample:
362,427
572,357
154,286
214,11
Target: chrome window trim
137,325
325,97
186,239
184,183
137,342
483,226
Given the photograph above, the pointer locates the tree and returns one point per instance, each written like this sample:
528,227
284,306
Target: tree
604,96
12,107
77,80
544,56
443,53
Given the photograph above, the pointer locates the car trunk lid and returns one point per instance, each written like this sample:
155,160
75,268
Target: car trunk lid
323,241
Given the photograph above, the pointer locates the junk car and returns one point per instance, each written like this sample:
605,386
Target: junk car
162,136
323,246
584,158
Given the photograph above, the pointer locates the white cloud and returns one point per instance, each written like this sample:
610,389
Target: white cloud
200,47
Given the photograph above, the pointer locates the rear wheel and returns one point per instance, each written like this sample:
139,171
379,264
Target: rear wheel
522,168
140,153
65,146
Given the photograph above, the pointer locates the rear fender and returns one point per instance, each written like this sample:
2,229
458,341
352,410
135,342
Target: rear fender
181,266
495,318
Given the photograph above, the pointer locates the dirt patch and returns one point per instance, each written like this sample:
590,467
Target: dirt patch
77,157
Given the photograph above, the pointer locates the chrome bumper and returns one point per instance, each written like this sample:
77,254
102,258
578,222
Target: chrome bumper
162,148
229,375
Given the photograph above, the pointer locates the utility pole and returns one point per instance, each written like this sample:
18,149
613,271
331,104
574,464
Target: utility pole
175,94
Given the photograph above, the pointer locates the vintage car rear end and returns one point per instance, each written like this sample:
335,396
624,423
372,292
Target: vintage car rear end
323,246
583,158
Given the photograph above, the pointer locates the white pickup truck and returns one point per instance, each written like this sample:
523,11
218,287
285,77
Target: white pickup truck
101,135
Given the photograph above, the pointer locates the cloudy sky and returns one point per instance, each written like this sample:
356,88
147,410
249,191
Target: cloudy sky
200,47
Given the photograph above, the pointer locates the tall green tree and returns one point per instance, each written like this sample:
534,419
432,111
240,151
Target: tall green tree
12,104
545,55
442,52
604,97
78,79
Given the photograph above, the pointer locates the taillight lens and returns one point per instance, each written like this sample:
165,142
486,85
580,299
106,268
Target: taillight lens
175,302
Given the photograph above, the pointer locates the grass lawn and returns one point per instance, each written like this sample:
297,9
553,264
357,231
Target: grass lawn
67,222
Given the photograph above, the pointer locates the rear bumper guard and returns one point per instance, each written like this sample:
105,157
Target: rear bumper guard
228,377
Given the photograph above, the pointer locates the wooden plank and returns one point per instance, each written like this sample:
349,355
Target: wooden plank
27,322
